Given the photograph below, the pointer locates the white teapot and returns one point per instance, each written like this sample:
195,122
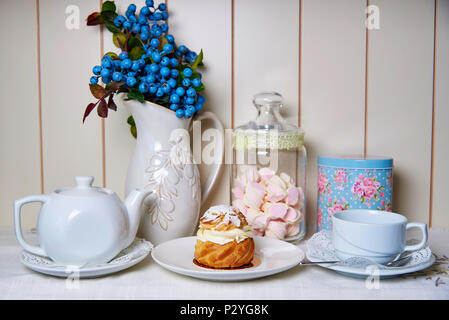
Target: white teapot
83,225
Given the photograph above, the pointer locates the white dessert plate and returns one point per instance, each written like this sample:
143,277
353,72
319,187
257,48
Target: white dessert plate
127,258
271,256
320,248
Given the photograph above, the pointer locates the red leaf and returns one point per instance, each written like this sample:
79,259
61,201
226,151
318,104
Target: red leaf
102,109
94,19
111,103
89,109
97,91
113,86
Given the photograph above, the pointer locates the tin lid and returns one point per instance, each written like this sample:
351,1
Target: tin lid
355,161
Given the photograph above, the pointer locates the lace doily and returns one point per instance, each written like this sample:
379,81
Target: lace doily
138,248
320,248
252,139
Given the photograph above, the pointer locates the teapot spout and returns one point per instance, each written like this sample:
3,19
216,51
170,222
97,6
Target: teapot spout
133,205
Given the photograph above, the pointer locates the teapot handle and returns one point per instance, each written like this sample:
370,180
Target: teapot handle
212,177
18,227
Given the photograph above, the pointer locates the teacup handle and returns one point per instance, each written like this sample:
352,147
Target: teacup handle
423,228
18,226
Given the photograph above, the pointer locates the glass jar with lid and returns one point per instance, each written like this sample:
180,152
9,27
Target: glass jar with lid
269,172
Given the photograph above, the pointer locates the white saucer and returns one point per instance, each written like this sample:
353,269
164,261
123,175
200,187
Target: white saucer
271,256
127,258
320,248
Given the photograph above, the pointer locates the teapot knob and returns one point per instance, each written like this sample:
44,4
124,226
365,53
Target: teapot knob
84,181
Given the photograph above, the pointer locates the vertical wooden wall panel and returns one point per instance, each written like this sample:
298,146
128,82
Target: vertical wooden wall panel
400,99
19,123
119,143
266,55
333,82
67,56
440,210
206,25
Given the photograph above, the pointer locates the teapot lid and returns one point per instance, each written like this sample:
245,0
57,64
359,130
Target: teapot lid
83,188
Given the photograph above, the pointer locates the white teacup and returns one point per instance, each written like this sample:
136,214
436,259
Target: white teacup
372,234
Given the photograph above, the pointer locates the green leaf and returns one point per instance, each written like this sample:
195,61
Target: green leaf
130,121
113,55
111,27
133,130
136,53
132,125
135,94
109,16
108,6
164,101
97,91
133,42
162,42
198,60
95,19
119,39
200,88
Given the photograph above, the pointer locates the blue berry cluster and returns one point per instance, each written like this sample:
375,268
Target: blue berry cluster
150,66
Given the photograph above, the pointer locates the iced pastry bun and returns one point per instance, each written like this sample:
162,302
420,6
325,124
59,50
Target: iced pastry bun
224,239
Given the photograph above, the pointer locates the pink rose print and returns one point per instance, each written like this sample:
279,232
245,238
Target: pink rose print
385,206
335,208
322,183
340,176
366,188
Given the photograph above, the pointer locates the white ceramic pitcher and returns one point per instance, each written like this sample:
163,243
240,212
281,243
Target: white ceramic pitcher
162,162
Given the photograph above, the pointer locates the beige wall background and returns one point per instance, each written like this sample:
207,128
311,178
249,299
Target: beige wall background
352,90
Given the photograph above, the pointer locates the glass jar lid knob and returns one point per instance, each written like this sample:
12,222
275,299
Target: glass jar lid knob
268,98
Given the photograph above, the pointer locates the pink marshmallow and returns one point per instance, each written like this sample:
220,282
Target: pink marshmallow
276,189
286,178
292,196
276,229
266,174
254,195
277,210
292,230
240,205
238,193
292,215
258,232
257,219
239,184
251,174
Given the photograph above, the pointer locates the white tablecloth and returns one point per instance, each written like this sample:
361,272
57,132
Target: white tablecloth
147,280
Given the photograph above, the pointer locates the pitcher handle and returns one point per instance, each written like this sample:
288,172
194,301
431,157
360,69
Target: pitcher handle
18,225
212,177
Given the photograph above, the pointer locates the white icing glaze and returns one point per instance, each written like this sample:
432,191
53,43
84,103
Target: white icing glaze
223,237
229,214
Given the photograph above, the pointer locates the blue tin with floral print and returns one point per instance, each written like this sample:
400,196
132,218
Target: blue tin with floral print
352,182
